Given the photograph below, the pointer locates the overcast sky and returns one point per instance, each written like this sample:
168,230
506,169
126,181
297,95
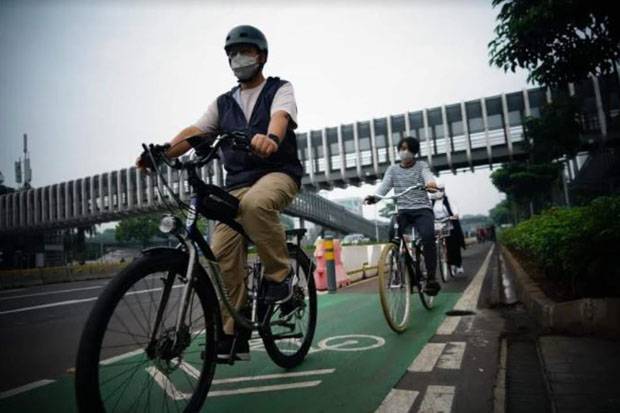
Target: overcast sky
90,80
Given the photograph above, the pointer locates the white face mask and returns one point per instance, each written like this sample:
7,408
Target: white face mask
405,156
244,66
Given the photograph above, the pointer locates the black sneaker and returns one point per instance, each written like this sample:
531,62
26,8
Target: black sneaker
225,350
278,292
432,288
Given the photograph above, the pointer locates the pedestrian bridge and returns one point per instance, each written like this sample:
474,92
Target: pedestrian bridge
457,136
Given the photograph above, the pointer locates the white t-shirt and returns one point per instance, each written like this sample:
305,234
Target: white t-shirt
440,210
284,99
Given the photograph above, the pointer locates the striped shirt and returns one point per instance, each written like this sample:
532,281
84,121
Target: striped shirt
401,178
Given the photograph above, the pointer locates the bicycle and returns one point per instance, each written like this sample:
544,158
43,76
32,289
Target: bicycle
162,312
442,231
401,272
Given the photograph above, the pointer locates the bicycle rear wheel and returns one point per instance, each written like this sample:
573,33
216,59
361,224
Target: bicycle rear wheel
394,287
289,328
421,279
131,358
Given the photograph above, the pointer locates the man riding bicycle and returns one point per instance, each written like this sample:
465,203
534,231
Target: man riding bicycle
265,181
414,207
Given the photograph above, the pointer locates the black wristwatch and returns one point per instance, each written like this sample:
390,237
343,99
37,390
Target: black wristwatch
274,138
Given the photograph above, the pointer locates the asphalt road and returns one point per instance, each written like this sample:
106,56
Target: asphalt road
356,364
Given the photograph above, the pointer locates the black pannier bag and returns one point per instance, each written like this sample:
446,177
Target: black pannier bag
217,204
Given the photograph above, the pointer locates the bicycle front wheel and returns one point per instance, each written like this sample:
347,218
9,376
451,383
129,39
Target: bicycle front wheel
394,287
289,327
422,278
442,261
132,357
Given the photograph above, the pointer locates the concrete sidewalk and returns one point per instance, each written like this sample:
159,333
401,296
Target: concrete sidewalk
582,373
557,360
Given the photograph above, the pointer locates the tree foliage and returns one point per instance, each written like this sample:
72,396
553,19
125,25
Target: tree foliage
501,213
557,41
556,133
526,182
141,229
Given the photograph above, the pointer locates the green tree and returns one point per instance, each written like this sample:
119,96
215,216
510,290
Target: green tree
501,213
524,183
555,133
556,41
141,229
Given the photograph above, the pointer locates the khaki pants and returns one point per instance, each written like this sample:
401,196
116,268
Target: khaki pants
259,214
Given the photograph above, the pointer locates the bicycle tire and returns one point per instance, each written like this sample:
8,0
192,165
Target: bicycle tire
442,262
421,278
290,352
93,375
394,288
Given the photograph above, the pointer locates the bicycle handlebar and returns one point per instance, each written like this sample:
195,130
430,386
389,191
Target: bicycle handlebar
239,139
411,188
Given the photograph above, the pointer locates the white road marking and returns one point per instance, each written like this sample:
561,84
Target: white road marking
426,360
121,357
274,376
438,399
24,388
71,302
448,326
469,299
175,394
398,401
42,306
166,385
452,357
261,389
49,293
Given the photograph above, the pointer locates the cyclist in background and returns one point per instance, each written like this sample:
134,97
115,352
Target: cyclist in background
442,208
414,207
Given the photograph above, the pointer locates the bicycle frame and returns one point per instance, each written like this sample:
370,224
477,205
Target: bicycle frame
193,241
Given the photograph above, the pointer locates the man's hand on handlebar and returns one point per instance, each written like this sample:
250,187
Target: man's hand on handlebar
263,145
144,161
371,199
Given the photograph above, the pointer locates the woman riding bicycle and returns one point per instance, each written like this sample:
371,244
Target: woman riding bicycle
443,208
414,207
265,181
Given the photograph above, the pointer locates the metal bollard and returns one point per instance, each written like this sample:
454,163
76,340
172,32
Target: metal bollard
330,264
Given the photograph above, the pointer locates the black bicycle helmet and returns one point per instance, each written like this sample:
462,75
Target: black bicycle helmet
246,35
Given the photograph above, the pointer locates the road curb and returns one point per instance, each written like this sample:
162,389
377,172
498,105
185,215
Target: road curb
584,316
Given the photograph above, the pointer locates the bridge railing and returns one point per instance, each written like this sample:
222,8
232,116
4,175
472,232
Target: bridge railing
460,135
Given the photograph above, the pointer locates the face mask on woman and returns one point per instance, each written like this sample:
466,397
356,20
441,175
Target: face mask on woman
405,156
244,66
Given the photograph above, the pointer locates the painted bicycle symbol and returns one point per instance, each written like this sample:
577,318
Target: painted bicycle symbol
347,342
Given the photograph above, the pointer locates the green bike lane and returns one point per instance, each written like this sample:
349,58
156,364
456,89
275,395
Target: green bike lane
354,362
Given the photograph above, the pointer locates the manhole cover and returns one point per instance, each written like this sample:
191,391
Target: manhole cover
456,313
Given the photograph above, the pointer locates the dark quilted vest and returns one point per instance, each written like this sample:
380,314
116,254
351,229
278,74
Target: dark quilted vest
243,169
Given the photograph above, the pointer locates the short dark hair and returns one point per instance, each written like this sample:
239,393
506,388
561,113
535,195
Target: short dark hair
411,143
